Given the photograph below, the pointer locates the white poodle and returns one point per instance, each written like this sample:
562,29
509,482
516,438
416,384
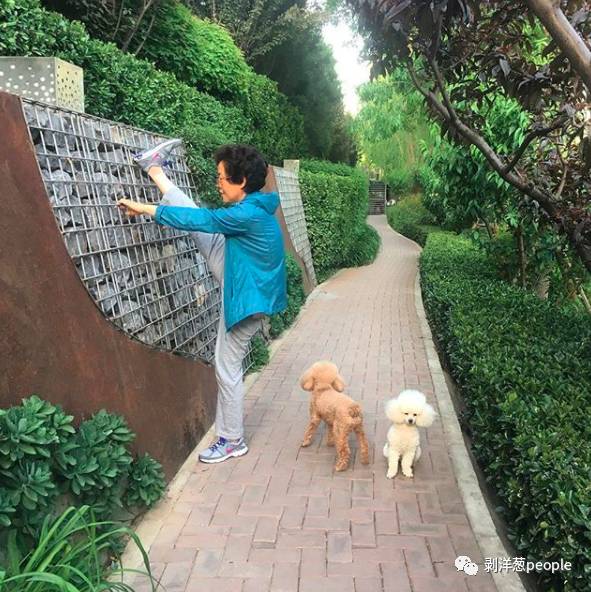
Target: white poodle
407,412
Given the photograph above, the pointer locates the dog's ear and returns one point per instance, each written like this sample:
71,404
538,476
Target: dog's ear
307,380
393,411
427,416
338,384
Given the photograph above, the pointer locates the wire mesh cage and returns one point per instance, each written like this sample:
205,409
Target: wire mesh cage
151,281
288,187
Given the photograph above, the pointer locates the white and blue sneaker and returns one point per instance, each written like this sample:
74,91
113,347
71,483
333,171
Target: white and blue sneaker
223,449
157,155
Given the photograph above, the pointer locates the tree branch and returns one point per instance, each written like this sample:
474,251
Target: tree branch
565,35
532,136
545,199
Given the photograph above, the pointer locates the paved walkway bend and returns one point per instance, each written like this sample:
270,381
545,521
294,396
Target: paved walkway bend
280,519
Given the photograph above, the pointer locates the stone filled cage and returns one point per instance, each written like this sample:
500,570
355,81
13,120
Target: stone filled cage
149,280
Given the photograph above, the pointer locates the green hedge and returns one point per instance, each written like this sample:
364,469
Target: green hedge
523,367
335,199
123,88
200,53
295,298
411,219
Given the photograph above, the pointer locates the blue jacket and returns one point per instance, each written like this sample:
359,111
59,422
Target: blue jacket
255,279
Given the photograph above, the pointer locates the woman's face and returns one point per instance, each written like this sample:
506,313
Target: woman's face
229,192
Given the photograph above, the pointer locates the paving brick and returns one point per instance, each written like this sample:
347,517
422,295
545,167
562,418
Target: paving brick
207,563
441,550
272,556
208,538
418,562
328,584
176,574
368,584
339,547
255,585
298,539
237,547
266,530
362,488
313,562
356,569
395,577
363,535
430,530
197,584
386,522
285,578
293,517
245,569
429,584
317,506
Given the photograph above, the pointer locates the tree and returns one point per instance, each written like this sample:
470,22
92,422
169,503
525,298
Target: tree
257,26
304,69
458,51
391,127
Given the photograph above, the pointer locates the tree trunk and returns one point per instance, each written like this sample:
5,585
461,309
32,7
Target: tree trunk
565,35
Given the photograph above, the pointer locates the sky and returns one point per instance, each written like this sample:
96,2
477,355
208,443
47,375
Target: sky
352,72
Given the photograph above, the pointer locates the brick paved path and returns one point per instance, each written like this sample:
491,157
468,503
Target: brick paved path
280,518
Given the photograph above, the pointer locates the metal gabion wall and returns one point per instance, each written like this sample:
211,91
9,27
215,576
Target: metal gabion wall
288,187
149,280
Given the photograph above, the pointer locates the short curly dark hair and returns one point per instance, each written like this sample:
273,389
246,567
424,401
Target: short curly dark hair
243,162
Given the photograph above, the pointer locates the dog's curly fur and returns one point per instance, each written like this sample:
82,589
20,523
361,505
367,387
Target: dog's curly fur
406,412
341,414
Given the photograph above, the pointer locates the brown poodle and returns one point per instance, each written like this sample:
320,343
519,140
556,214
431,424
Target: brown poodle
340,413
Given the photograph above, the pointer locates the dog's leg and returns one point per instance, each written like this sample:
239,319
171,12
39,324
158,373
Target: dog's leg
393,458
407,459
417,455
311,430
343,451
329,435
363,445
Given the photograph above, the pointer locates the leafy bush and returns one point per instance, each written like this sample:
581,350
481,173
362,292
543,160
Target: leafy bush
335,199
69,555
410,218
43,456
259,353
523,369
295,298
122,88
277,126
200,53
145,482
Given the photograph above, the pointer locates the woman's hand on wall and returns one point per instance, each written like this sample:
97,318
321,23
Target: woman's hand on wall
134,208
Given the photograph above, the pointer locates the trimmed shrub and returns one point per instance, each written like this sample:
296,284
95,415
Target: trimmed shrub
200,53
295,298
410,218
277,126
523,369
122,88
336,202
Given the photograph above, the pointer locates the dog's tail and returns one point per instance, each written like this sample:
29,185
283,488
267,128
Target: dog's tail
355,411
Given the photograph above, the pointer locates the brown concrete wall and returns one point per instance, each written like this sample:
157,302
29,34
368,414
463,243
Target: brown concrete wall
56,343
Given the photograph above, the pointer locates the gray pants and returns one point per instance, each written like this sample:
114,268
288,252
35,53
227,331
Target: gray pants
231,346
